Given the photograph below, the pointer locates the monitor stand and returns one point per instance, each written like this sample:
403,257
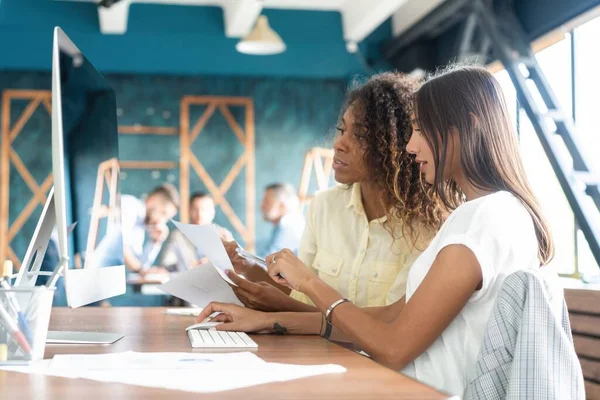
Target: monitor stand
30,270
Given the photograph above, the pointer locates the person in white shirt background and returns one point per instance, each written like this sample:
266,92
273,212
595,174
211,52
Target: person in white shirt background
281,207
142,231
178,253
468,155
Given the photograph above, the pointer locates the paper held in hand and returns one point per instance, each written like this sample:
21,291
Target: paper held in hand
206,238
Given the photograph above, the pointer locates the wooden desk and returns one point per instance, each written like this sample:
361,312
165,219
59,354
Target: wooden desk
150,329
137,281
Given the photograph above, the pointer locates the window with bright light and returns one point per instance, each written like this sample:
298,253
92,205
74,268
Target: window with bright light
577,93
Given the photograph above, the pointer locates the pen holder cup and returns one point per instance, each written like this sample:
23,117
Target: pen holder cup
24,319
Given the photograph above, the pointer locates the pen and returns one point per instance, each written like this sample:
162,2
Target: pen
13,330
249,256
12,300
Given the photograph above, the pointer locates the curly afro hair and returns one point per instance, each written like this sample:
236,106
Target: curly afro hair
384,105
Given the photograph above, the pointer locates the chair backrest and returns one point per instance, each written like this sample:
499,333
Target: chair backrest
584,313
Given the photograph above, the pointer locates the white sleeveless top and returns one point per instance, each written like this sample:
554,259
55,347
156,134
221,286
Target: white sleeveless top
498,229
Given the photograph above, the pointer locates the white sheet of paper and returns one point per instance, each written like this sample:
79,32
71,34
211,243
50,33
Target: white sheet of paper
200,286
131,360
207,239
214,377
217,372
184,311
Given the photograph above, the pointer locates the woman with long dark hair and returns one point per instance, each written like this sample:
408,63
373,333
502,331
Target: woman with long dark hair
467,152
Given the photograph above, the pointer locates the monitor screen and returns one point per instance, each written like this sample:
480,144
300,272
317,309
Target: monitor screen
91,150
85,168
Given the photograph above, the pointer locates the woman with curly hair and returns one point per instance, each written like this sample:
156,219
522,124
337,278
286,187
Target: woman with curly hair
362,236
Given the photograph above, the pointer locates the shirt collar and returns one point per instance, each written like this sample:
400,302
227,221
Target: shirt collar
356,199
357,205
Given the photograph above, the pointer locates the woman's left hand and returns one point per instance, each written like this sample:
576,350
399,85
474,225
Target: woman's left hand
286,269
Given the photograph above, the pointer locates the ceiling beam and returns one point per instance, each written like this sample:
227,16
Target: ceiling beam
360,18
240,16
445,11
411,12
113,20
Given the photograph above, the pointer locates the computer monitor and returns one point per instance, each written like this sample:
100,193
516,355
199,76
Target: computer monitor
85,170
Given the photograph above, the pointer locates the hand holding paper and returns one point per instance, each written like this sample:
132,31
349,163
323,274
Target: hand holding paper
200,286
207,239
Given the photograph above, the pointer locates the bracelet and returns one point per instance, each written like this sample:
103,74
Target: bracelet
332,307
328,328
321,329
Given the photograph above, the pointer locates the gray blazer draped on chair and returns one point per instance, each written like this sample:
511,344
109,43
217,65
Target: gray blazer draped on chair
527,351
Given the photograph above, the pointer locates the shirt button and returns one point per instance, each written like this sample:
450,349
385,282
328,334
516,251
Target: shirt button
362,251
353,276
334,270
375,274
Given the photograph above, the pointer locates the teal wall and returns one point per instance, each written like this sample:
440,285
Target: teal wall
164,39
292,115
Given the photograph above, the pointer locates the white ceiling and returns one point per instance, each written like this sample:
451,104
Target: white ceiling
359,17
410,12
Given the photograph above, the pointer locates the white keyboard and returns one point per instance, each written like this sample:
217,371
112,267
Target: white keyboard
210,338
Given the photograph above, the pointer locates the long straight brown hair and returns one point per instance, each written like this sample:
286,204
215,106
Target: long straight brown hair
470,100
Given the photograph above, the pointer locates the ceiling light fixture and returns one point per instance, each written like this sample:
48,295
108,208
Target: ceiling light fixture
262,41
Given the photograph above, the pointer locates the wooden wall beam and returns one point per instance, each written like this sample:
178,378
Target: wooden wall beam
305,178
250,177
148,164
21,94
48,105
38,198
10,255
233,124
321,161
24,117
24,172
8,155
320,173
218,196
184,161
147,130
189,161
201,123
233,173
4,177
230,101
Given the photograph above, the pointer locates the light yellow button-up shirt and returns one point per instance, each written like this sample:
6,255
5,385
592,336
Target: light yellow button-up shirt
356,257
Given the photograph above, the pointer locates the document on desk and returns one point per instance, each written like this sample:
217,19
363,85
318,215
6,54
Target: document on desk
191,372
131,360
207,239
199,286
